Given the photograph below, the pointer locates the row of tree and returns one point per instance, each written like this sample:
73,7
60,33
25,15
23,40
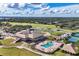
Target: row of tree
71,23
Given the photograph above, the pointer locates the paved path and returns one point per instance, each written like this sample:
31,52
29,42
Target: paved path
37,52
29,49
1,46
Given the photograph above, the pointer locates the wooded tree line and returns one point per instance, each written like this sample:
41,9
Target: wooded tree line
72,23
45,20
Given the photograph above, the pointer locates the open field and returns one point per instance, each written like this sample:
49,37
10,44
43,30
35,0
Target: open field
15,52
42,26
10,50
34,25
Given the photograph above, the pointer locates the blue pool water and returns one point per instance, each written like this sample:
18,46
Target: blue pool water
48,45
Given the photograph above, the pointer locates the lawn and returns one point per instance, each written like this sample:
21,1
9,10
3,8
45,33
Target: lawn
59,53
16,52
12,51
57,33
7,41
34,25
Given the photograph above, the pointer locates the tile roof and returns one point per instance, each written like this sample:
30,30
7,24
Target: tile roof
69,48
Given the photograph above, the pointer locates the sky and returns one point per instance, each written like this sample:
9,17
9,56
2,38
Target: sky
39,9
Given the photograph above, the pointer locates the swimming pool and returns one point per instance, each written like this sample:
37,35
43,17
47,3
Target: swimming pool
48,44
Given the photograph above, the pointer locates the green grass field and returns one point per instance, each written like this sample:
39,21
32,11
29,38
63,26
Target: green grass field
34,25
59,53
8,42
15,52
42,26
12,51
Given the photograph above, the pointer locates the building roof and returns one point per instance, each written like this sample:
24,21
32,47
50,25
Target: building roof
69,48
31,33
23,32
40,38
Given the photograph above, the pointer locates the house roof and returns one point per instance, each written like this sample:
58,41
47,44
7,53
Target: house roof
27,31
23,32
69,48
40,38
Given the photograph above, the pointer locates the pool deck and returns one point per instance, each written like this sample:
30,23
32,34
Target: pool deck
49,49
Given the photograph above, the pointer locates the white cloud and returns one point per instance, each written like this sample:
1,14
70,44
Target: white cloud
77,11
65,11
34,5
12,4
44,10
21,5
4,5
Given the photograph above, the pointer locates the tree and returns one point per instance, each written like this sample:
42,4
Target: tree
17,28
